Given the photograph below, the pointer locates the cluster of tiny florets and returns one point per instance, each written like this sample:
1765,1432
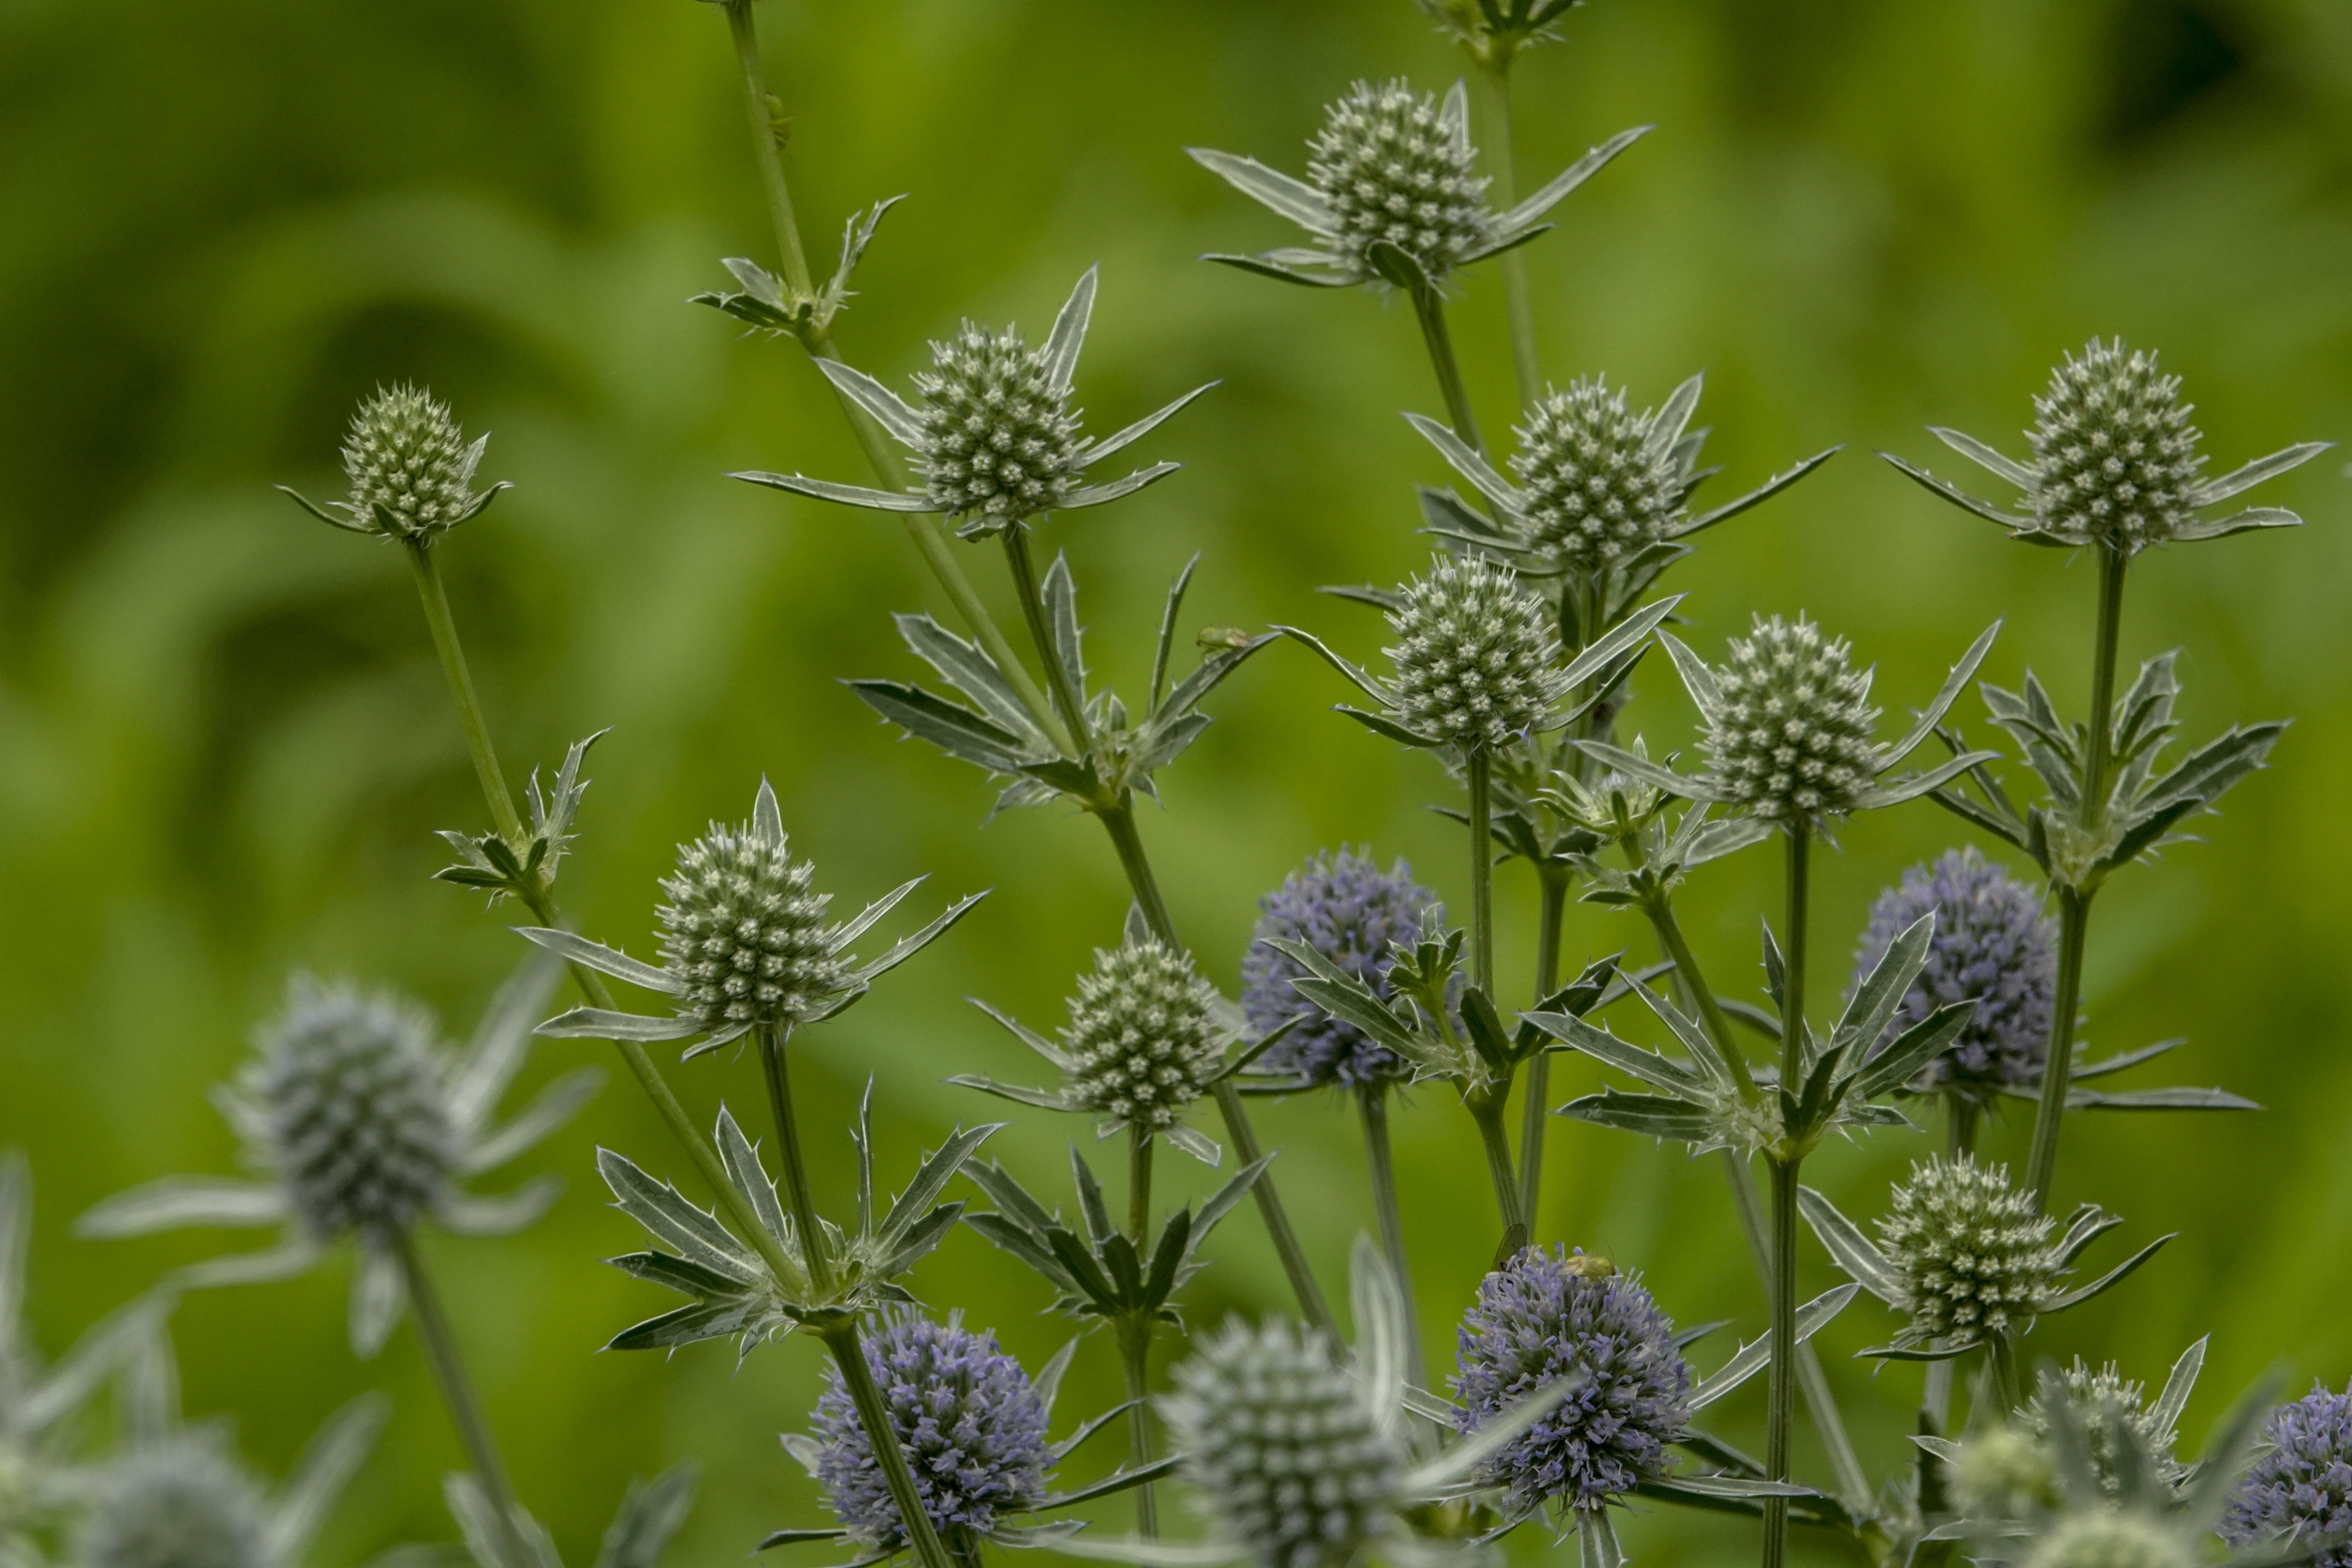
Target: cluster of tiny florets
2001,1473
971,1422
2107,1538
354,1110
745,934
1596,493
1994,945
1141,1041
999,440
2115,457
410,471
1974,1256
1345,908
1474,654
1791,740
178,1504
1545,1316
1289,1459
2102,1398
2302,1485
1392,169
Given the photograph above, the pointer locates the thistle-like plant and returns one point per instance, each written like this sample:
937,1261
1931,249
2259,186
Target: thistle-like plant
524,866
410,468
2300,1486
2103,1399
364,1128
1344,907
995,440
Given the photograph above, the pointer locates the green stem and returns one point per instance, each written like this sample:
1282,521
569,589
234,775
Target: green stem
1067,696
444,627
1519,303
457,1395
1486,1110
1792,959
1677,951
1961,1132
1135,1352
1372,1101
1535,1110
813,1252
882,1436
1429,306
2000,1359
1138,1186
1779,1399
1481,770
744,32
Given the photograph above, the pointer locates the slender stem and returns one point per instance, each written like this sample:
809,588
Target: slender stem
457,1395
1372,1101
1481,770
1429,305
1792,958
1779,1399
1535,1110
1962,1132
2000,1359
745,35
1138,1186
1135,1352
444,627
1502,191
1032,610
882,1436
1486,1111
2112,563
796,1184
1676,948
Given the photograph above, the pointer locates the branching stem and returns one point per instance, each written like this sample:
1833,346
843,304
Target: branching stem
1535,1110
1494,79
457,1393
1429,307
1373,1102
1134,1357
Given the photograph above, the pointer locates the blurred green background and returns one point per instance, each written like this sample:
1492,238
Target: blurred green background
223,739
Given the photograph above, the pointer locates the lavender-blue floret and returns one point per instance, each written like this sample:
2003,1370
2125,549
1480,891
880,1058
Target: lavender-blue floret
1992,943
2302,1484
1345,908
970,1419
1536,1321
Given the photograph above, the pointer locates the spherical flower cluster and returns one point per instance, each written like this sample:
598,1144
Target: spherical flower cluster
1345,908
410,469
178,1504
1974,1257
1392,168
1791,740
2115,457
1289,1460
2001,1473
2100,1399
1992,945
2105,1538
1596,493
997,438
1141,1041
744,935
354,1110
2302,1485
1545,1316
1474,654
971,1422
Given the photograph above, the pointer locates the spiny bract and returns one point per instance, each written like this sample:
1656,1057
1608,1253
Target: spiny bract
2100,1398
2302,1484
410,469
1791,740
972,1424
353,1109
2115,457
2109,1539
1393,169
1287,1457
1474,655
998,439
1596,493
1141,1041
745,934
1974,1257
177,1504
1345,908
1542,1317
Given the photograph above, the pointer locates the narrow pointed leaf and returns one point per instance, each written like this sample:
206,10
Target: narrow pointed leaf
595,956
1954,684
1984,457
1097,450
1468,462
1299,202
1069,334
1555,190
889,410
2240,479
847,495
1854,1252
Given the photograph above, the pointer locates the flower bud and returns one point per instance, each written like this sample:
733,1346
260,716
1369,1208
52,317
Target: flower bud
410,469
177,1504
1288,1457
1974,1256
2001,1473
1474,654
1596,493
353,1111
999,440
1344,908
2115,457
1392,168
1791,740
2101,1400
1142,1044
2105,1538
745,934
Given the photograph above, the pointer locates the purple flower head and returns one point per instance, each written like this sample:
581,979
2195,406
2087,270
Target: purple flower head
1544,1316
971,1421
1345,909
1992,943
2304,1484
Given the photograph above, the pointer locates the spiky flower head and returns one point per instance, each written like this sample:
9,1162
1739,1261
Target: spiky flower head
971,1421
1994,945
998,440
1289,1458
744,933
1344,907
1973,1255
1545,1316
1141,1041
2102,1399
410,469
179,1503
2001,1473
1393,166
2112,1538
1597,492
354,1110
1474,655
1790,739
2302,1485
2115,457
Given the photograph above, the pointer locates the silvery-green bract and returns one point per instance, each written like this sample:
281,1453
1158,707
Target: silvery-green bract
410,469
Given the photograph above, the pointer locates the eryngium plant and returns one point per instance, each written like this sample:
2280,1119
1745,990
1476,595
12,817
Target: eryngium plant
1344,907
2300,1487
410,468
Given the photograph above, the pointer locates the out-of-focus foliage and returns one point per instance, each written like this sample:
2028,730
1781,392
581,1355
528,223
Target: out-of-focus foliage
224,743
